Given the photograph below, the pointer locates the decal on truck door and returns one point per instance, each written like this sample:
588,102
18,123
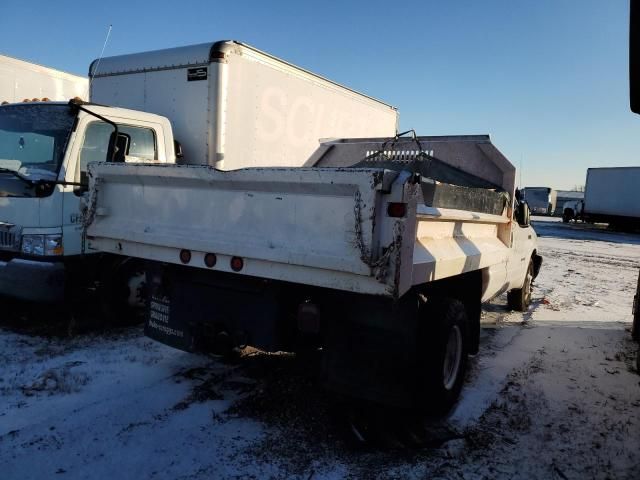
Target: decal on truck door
194,74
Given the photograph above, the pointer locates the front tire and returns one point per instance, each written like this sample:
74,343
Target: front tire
122,292
442,354
519,299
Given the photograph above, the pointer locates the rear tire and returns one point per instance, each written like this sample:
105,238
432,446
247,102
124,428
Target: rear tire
442,354
519,299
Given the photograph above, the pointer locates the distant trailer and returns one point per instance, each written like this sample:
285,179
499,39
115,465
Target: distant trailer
21,80
612,196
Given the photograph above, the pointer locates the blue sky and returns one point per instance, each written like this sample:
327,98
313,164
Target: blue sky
547,78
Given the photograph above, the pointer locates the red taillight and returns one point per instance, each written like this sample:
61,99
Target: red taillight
185,256
396,210
210,260
236,264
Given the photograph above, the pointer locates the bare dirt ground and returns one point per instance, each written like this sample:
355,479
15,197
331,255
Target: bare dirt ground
553,394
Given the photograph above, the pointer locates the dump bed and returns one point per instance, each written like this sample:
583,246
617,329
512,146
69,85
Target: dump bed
360,229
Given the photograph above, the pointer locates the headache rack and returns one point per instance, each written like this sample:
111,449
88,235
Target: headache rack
464,172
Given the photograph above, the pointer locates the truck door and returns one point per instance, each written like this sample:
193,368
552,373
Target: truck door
92,146
521,247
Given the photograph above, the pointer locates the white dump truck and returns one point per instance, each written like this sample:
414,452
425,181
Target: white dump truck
21,80
380,252
232,106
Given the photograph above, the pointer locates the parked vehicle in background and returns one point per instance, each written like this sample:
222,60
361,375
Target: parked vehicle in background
634,103
45,148
565,196
225,98
572,210
612,196
21,80
541,200
380,252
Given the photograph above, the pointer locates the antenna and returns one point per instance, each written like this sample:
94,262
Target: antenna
104,45
520,181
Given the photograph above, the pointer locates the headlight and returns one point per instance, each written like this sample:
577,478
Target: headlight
42,244
27,244
53,245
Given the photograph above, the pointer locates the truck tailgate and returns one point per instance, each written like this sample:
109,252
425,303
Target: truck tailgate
293,224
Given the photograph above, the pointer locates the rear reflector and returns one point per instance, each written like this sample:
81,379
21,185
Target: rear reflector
210,260
185,256
396,210
236,264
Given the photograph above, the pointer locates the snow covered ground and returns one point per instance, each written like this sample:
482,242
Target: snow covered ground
553,394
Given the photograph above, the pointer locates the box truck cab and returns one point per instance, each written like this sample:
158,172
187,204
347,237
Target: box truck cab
45,148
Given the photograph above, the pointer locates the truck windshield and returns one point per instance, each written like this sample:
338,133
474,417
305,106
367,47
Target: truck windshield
33,138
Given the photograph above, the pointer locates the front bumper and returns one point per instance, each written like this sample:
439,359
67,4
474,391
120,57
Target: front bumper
32,280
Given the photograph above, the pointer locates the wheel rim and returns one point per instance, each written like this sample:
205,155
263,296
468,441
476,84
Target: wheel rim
135,284
452,358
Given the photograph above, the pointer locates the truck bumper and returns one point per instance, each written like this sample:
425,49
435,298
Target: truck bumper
31,280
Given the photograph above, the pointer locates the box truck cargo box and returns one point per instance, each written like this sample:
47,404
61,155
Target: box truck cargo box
612,195
233,106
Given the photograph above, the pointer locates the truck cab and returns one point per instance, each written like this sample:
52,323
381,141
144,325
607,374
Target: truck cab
45,148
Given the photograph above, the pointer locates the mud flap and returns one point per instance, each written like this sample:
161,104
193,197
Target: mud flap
369,351
537,263
162,326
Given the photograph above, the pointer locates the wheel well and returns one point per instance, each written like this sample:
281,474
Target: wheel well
467,288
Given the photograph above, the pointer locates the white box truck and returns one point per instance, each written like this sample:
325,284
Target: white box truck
380,252
612,196
21,80
234,106
223,98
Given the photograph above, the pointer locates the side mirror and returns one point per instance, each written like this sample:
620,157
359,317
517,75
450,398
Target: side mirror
121,146
177,147
523,215
634,55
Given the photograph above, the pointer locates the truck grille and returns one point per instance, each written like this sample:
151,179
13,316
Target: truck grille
8,240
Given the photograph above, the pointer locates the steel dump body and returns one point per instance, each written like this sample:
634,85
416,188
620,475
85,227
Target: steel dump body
326,227
157,210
